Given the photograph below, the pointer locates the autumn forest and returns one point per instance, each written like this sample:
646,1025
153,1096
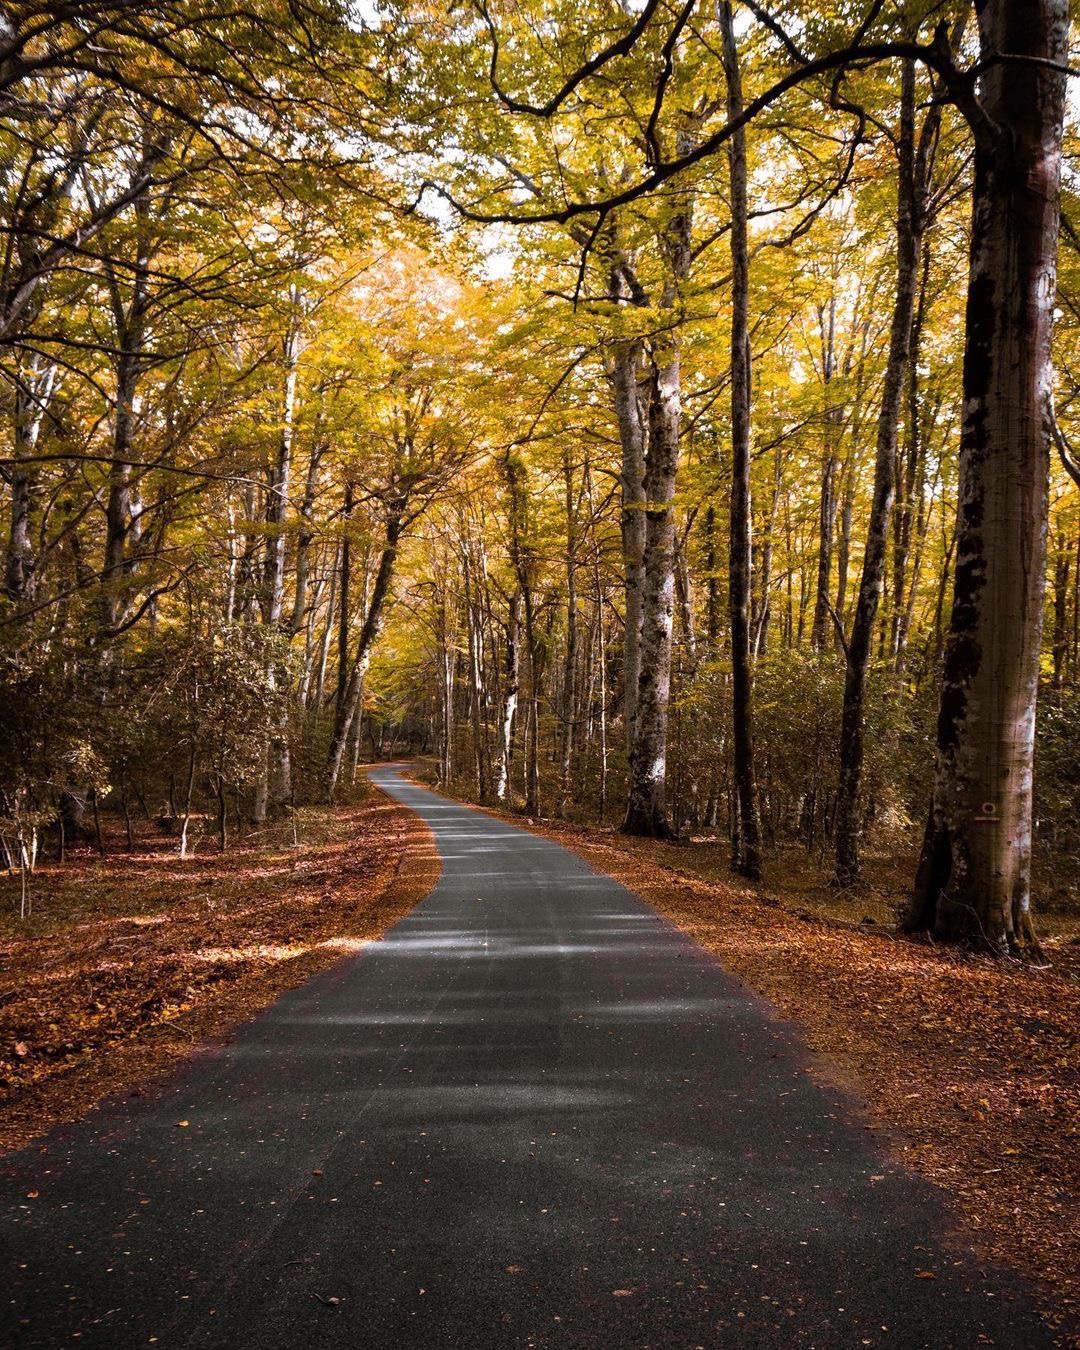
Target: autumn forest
656,422
582,400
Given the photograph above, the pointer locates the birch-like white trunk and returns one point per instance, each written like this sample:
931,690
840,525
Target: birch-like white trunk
646,810
632,434
510,698
646,807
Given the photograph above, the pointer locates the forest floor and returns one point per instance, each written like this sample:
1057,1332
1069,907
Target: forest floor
130,960
969,1067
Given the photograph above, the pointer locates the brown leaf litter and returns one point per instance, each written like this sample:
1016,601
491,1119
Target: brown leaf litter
132,960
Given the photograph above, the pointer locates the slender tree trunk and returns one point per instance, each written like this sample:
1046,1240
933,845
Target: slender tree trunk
570,663
446,668
974,881
1062,563
277,790
33,393
277,497
369,632
120,520
746,852
510,697
532,727
344,602
328,629
222,814
303,543
764,621
646,808
188,794
646,811
632,434
909,507
909,229
847,517
823,626
476,680
522,559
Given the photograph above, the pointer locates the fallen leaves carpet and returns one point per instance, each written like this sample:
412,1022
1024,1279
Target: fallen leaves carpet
135,959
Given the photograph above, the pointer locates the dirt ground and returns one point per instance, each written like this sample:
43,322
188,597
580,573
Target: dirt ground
129,961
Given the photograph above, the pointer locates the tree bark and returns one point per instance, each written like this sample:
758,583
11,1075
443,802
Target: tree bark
646,808
628,411
1062,563
746,836
973,883
910,206
344,602
510,697
569,698
275,787
120,518
822,626
33,392
646,811
369,632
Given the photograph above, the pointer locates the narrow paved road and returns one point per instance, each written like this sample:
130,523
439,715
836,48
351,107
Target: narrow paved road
533,1115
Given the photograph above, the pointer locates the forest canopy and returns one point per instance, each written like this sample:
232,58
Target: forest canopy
660,415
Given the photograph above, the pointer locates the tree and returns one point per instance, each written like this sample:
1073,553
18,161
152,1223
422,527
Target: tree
974,882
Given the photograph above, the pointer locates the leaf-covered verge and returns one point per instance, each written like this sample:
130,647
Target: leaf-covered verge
132,960
970,1067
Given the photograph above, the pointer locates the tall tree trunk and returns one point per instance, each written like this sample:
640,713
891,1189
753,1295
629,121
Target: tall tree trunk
1062,563
447,651
764,619
328,628
910,481
532,726
510,697
33,392
275,786
746,837
974,881
847,516
822,627
476,678
909,229
304,541
632,436
646,812
372,626
521,557
646,808
344,602
120,519
569,699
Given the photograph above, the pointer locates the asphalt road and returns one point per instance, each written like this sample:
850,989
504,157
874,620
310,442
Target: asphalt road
534,1114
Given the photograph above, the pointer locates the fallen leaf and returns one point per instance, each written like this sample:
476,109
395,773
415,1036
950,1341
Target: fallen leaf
622,1293
21,1049
32,1195
182,1123
925,1275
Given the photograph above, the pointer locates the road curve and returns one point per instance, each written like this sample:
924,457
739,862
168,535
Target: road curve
533,1115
